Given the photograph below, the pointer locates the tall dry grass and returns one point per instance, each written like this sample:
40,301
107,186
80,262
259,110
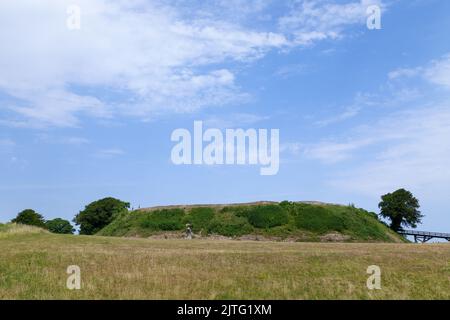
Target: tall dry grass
33,266
16,229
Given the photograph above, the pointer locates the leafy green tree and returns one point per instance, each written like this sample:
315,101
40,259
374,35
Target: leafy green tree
59,225
99,214
401,208
29,217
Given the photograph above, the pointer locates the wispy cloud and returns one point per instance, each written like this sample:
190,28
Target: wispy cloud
294,148
109,153
64,140
403,72
335,151
154,57
414,150
234,120
407,146
348,113
311,21
439,72
291,70
146,51
436,72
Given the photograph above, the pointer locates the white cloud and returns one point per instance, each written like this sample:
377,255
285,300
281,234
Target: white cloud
414,151
235,120
142,53
403,72
333,151
293,148
348,113
290,70
310,21
75,141
407,147
439,72
141,58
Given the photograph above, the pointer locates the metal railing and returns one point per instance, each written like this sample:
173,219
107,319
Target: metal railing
425,233
424,236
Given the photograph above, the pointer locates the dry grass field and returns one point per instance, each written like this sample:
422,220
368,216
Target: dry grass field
33,266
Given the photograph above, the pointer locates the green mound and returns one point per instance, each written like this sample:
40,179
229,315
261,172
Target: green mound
13,228
277,221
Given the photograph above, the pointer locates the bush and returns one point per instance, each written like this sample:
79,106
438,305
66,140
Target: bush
318,219
165,219
60,226
30,217
240,211
99,214
267,216
285,203
229,225
199,218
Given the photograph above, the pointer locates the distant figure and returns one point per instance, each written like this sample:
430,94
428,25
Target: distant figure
188,231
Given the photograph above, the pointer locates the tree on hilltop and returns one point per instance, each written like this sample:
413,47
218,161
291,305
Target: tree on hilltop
29,217
401,208
99,214
60,226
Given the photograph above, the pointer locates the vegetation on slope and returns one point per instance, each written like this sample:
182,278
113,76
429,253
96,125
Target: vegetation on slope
296,221
14,229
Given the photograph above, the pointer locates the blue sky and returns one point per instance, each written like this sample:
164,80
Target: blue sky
88,113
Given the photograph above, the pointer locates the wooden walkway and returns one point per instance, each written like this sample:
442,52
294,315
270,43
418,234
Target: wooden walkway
424,236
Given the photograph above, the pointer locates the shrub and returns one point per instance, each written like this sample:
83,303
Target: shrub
228,224
267,216
165,219
318,219
240,211
285,203
199,218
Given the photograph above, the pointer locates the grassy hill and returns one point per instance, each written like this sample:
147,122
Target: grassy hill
10,229
292,221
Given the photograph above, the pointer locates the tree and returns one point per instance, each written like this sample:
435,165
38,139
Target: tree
99,214
59,225
30,217
401,208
